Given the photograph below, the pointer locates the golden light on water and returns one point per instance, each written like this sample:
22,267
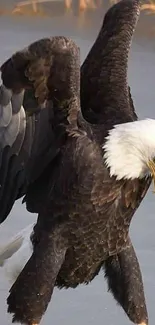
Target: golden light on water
83,5
149,7
35,5
38,8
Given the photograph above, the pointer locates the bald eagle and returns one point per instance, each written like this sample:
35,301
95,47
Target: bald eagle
73,148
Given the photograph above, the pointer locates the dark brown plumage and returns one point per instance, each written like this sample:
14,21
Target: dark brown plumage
57,162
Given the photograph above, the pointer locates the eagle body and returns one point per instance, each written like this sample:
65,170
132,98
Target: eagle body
93,226
72,147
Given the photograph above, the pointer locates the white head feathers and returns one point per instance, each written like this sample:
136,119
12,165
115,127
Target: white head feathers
129,147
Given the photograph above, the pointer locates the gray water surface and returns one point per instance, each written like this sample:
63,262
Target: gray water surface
91,304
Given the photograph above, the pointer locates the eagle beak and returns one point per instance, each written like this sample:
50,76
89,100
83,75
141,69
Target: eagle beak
151,166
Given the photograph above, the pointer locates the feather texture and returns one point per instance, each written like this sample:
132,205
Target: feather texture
31,135
84,213
130,144
16,252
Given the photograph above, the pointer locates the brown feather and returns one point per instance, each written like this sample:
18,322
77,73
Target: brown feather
84,214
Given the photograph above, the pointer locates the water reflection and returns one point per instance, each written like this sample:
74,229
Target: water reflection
82,5
48,7
86,15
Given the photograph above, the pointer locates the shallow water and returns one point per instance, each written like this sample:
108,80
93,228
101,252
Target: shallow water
91,304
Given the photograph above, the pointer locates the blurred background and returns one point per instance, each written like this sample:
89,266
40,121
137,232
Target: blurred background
85,12
50,7
22,22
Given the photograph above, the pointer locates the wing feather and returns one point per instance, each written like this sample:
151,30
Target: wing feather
5,116
28,141
105,95
17,145
24,144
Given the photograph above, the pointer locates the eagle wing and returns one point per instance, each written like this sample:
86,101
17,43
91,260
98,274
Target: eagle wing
105,94
28,139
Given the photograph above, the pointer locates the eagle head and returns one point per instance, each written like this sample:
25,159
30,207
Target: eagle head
129,150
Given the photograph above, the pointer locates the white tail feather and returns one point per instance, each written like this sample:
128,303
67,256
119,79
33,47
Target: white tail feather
15,254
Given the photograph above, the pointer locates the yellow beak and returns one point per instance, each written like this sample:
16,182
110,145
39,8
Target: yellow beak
151,166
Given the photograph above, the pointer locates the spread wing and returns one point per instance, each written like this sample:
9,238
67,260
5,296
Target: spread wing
105,95
25,146
30,136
